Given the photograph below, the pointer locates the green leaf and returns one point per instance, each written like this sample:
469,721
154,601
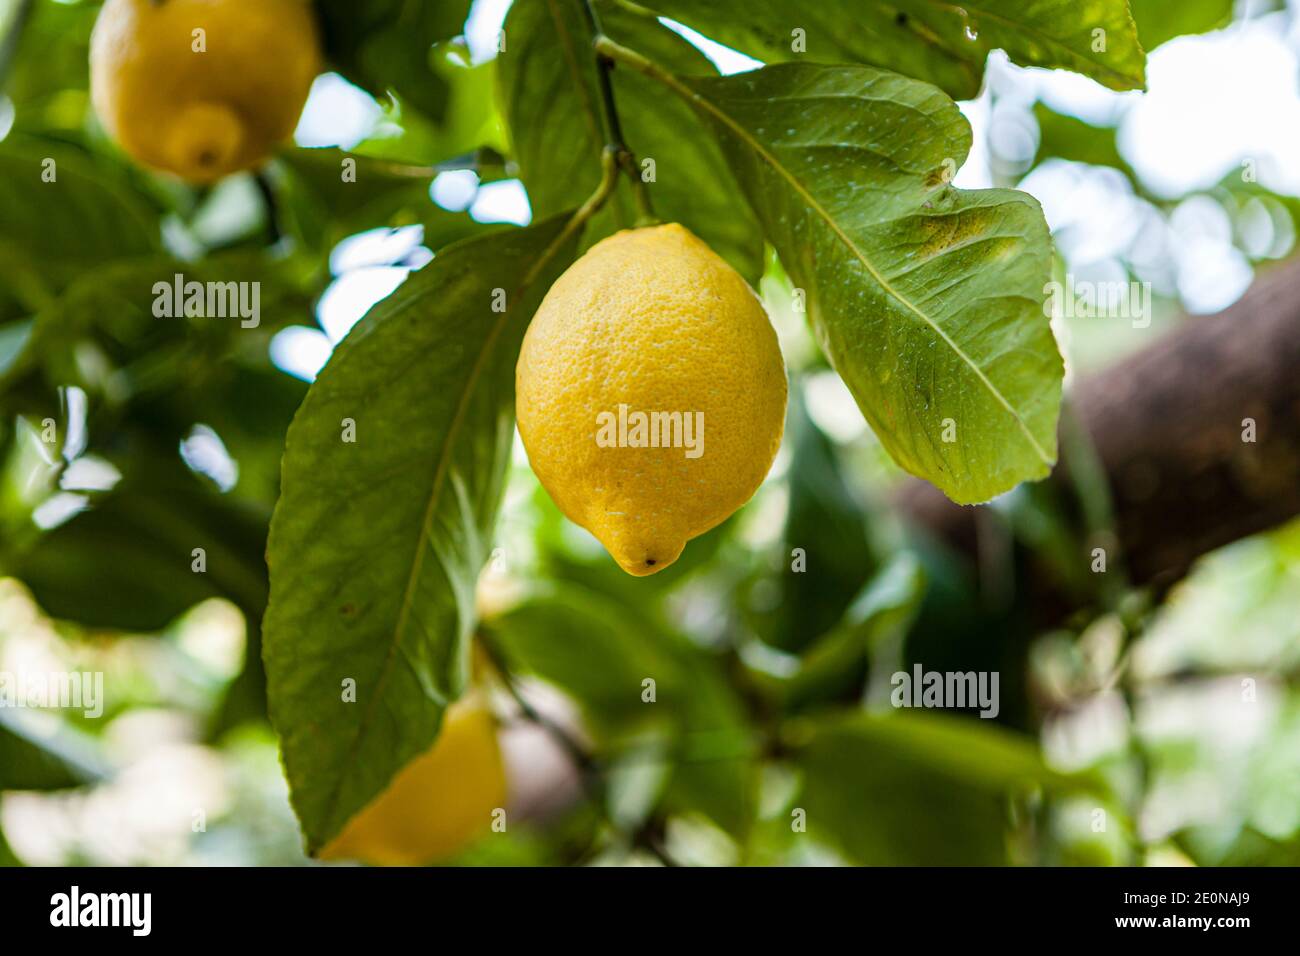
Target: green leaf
45,756
552,104
829,525
53,232
126,562
919,789
470,122
943,43
7,856
1159,20
13,17
376,543
587,645
884,607
326,209
384,45
47,76
1094,37
14,338
928,300
1069,138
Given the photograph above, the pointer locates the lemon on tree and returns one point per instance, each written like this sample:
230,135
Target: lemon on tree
202,88
650,393
438,804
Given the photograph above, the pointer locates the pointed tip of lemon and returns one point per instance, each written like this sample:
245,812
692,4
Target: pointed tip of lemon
205,141
644,559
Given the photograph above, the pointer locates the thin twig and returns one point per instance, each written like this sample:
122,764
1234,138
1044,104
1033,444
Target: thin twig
613,127
274,233
591,770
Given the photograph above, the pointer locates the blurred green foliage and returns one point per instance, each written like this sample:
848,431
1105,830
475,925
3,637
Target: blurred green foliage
771,684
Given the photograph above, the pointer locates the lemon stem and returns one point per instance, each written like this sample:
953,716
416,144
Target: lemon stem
613,128
608,179
613,52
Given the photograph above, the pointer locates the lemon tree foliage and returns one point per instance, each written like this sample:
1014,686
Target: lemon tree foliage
960,778
383,46
98,220
551,100
943,43
1158,21
601,651
927,299
126,563
373,572
829,527
31,758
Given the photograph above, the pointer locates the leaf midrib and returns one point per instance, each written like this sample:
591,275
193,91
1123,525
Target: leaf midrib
848,242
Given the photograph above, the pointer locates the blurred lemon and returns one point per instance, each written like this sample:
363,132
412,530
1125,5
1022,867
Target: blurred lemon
438,804
650,393
202,88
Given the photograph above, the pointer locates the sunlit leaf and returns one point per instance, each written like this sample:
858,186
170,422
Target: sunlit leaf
942,43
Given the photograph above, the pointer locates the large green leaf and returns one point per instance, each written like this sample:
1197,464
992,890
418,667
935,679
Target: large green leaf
927,299
941,42
922,789
376,544
552,104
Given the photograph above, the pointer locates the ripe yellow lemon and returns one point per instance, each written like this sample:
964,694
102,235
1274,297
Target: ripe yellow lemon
438,804
202,88
650,393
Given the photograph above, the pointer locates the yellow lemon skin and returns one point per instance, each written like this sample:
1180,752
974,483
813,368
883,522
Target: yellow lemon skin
438,804
654,321
202,115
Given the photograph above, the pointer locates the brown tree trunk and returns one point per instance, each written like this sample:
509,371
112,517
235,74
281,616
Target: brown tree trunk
1168,427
